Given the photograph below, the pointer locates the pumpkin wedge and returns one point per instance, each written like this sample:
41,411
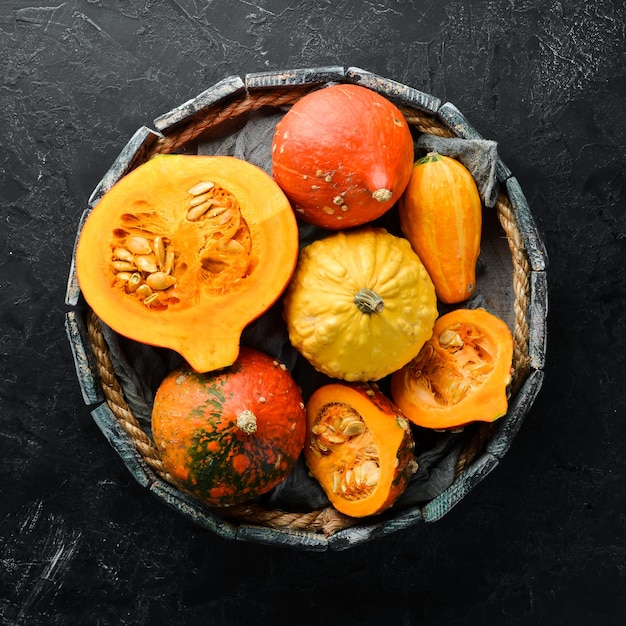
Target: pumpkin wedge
359,447
184,251
461,375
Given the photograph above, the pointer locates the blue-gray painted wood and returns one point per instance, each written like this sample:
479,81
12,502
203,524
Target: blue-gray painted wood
123,444
293,77
365,532
198,106
457,122
508,426
130,156
191,509
538,319
83,359
443,503
393,90
535,248
302,540
503,173
72,291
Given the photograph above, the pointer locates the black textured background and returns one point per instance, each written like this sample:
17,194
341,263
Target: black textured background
542,541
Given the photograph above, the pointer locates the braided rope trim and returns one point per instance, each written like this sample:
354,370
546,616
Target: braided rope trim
327,520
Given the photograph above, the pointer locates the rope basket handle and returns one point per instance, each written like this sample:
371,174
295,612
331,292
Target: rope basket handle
326,520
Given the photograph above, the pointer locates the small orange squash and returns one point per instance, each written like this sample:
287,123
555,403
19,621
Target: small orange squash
343,155
359,447
228,436
184,251
441,215
461,374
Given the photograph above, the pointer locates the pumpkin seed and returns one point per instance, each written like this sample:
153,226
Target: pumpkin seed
134,282
160,281
196,212
151,299
146,263
144,291
123,266
168,265
199,200
122,254
353,428
138,244
159,250
450,339
201,188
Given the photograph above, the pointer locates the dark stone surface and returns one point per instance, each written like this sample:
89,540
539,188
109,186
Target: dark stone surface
542,540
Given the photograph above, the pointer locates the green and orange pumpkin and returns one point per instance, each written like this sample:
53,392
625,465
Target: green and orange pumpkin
229,436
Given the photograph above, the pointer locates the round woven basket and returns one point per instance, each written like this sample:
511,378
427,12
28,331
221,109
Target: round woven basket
514,286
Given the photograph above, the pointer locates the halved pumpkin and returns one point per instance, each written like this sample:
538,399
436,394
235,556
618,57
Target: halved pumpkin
184,251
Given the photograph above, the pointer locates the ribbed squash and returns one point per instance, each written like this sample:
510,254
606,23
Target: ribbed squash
343,155
461,374
441,215
359,447
229,436
184,251
360,304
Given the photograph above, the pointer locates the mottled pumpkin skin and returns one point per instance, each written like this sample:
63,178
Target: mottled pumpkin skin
343,155
194,425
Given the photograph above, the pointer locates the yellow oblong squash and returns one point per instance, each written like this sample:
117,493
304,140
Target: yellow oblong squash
441,215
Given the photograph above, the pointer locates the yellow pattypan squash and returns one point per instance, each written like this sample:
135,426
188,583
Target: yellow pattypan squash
360,304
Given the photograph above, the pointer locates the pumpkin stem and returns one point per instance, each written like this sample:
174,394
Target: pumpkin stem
369,301
246,421
382,195
431,157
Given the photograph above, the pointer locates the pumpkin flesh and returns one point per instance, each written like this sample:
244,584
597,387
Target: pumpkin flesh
359,447
343,155
229,436
461,374
226,265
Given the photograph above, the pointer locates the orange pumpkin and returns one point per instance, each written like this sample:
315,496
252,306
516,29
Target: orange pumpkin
441,215
343,155
229,436
461,374
359,447
184,251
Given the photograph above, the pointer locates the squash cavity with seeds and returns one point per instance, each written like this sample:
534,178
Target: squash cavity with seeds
359,447
184,251
462,373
